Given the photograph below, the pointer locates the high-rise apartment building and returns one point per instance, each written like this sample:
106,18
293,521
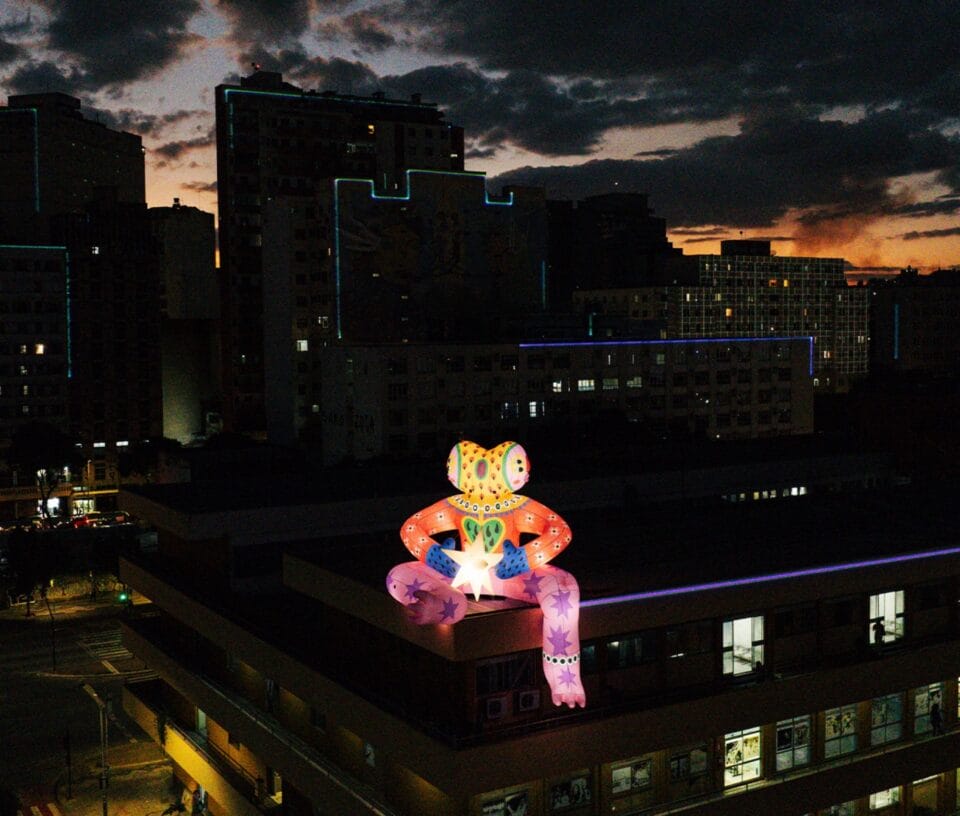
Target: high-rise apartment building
274,139
55,160
72,206
754,294
440,260
184,241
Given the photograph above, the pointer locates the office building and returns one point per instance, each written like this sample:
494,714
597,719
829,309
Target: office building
419,400
274,139
750,295
747,658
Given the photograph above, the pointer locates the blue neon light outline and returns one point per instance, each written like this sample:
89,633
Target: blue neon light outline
66,265
776,576
405,196
896,331
674,341
36,152
543,285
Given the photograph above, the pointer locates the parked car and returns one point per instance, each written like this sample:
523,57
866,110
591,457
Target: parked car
91,519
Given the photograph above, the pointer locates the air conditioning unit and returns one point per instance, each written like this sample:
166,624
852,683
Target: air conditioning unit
528,700
497,707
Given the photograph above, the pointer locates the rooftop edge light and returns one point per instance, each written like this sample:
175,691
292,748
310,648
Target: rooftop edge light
774,576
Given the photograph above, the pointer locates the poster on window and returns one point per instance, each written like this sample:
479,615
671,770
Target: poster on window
513,805
570,793
635,776
751,746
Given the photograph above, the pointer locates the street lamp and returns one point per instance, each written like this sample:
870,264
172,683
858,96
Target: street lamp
103,708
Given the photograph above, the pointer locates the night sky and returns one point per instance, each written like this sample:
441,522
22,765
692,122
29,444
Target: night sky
831,128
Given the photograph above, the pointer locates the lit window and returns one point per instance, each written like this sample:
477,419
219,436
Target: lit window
793,742
728,312
886,719
535,409
610,384
557,386
840,731
99,444
94,250
586,385
39,348
741,756
371,129
123,443
635,776
884,798
26,390
886,616
315,409
743,645
23,348
661,358
927,708
635,382
303,345
772,282
827,354
843,809
786,284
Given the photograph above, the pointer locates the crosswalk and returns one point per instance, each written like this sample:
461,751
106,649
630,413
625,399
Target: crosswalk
43,809
72,654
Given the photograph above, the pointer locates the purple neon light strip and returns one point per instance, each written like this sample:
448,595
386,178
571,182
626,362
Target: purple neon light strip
777,576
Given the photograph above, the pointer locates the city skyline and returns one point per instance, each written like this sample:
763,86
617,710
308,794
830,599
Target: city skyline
828,133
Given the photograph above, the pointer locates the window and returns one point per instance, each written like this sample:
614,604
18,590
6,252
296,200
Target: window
635,382
742,645
689,764
793,742
631,651
927,708
571,793
840,731
884,798
303,345
741,756
610,383
585,385
886,719
843,809
633,776
886,616
690,639
556,386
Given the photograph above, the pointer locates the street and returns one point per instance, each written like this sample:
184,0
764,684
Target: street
46,719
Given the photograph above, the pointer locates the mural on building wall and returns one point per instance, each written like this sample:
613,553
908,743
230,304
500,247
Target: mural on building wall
488,519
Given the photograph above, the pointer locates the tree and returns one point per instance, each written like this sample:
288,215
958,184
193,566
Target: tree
41,451
144,458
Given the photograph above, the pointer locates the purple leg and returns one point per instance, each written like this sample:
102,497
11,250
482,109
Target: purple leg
558,596
426,594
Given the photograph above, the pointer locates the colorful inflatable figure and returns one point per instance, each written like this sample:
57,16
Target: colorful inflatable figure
489,520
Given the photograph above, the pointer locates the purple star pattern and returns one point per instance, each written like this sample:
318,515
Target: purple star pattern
413,588
531,585
561,603
449,609
566,677
558,639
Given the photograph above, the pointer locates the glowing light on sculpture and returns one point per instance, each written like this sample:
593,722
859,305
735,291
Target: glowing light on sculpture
488,519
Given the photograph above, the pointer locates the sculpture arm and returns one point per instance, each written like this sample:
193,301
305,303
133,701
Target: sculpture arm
553,536
418,531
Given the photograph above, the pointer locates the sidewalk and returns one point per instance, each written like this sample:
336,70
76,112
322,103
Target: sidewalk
141,783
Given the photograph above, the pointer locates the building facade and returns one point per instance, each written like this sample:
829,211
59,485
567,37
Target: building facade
752,295
184,240
274,139
784,679
54,161
419,400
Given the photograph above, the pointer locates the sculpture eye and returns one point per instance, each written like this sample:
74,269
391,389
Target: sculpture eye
516,467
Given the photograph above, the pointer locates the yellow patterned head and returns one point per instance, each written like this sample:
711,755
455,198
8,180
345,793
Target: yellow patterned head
488,475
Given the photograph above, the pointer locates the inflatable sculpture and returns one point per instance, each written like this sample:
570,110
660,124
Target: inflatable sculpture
488,519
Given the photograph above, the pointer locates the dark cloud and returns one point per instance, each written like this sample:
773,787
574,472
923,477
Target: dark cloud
266,22
175,149
710,232
200,186
943,205
143,123
829,170
41,77
745,53
10,52
362,28
114,41
935,233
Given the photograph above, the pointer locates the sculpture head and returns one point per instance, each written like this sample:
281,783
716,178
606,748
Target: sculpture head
488,475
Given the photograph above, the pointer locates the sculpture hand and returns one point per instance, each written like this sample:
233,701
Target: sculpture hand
514,561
